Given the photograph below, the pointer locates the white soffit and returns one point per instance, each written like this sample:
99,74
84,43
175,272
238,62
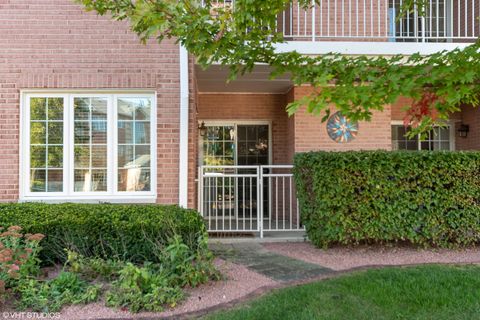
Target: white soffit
214,79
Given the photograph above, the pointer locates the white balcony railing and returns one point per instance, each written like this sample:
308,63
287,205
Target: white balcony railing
379,20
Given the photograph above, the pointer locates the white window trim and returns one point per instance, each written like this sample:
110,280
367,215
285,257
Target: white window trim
450,123
68,195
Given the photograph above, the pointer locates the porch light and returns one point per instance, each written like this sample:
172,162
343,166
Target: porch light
463,130
202,129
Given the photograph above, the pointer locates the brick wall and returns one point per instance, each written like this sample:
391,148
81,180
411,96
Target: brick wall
290,96
471,117
311,134
55,44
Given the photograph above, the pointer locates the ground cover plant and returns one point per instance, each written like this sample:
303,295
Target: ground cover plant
149,282
424,292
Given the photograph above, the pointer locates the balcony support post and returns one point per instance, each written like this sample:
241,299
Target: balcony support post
313,20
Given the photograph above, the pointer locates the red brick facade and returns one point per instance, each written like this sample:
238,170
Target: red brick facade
311,134
54,44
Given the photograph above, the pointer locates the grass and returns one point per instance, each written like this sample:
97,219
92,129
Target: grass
424,292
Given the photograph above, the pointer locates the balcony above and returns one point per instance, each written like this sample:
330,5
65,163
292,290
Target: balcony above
375,27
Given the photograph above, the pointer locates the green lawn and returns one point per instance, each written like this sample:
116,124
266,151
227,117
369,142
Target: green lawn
426,292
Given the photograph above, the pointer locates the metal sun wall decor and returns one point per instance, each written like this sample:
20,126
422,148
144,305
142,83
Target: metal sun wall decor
341,129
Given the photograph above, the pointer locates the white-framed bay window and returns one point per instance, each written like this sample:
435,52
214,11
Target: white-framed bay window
88,146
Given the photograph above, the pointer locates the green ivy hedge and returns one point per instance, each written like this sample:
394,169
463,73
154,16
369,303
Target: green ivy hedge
425,198
127,232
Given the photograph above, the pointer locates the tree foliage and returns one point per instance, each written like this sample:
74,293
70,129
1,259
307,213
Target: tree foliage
244,36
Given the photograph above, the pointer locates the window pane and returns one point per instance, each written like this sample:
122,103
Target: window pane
81,108
38,132
99,132
38,156
125,156
142,132
142,109
90,156
55,180
142,156
38,181
90,180
400,141
55,133
425,145
445,145
38,109
99,109
99,156
441,145
134,158
82,132
46,149
55,157
126,110
55,108
125,132
82,156
411,145
134,179
445,134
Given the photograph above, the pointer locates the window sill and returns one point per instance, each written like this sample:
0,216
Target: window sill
91,199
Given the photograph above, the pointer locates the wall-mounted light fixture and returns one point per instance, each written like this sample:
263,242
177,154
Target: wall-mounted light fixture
202,129
463,130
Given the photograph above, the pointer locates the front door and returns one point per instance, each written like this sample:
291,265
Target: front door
253,150
234,144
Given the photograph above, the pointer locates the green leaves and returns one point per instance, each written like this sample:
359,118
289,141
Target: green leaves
425,198
244,36
51,295
127,232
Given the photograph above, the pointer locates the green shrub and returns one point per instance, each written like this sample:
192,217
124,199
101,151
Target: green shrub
51,295
150,286
18,257
112,231
426,198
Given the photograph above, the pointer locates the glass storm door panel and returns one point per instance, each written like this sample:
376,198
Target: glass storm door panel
253,150
218,147
230,145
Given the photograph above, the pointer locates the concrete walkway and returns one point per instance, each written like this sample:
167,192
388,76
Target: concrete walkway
272,265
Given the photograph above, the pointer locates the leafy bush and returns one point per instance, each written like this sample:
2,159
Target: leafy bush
153,285
142,288
93,268
125,232
18,257
426,198
51,295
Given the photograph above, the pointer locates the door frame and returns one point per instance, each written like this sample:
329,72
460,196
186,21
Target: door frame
235,123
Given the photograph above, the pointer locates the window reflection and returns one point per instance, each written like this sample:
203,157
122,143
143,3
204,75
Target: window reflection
46,144
134,154
90,148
